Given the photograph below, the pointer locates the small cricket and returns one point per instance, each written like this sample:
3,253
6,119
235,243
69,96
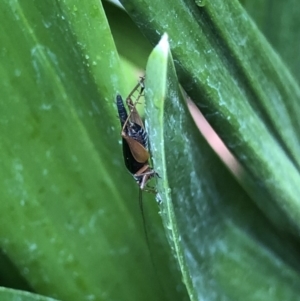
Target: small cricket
135,148
135,145
135,139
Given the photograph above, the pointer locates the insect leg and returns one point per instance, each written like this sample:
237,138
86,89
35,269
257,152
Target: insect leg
133,114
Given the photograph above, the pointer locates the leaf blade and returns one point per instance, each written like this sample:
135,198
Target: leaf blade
236,88
226,248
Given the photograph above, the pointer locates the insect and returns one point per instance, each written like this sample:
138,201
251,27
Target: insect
135,148
135,139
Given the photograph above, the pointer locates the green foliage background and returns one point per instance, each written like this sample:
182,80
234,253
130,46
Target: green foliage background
70,226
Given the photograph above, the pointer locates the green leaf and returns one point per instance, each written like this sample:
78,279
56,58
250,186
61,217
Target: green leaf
14,295
129,41
230,71
226,248
10,276
70,220
279,22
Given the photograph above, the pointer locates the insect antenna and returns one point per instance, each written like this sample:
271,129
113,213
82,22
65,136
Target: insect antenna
141,205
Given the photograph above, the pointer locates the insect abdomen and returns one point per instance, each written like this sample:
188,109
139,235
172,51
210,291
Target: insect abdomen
139,134
121,109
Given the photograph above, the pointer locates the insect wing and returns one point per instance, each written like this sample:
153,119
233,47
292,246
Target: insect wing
131,164
139,152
